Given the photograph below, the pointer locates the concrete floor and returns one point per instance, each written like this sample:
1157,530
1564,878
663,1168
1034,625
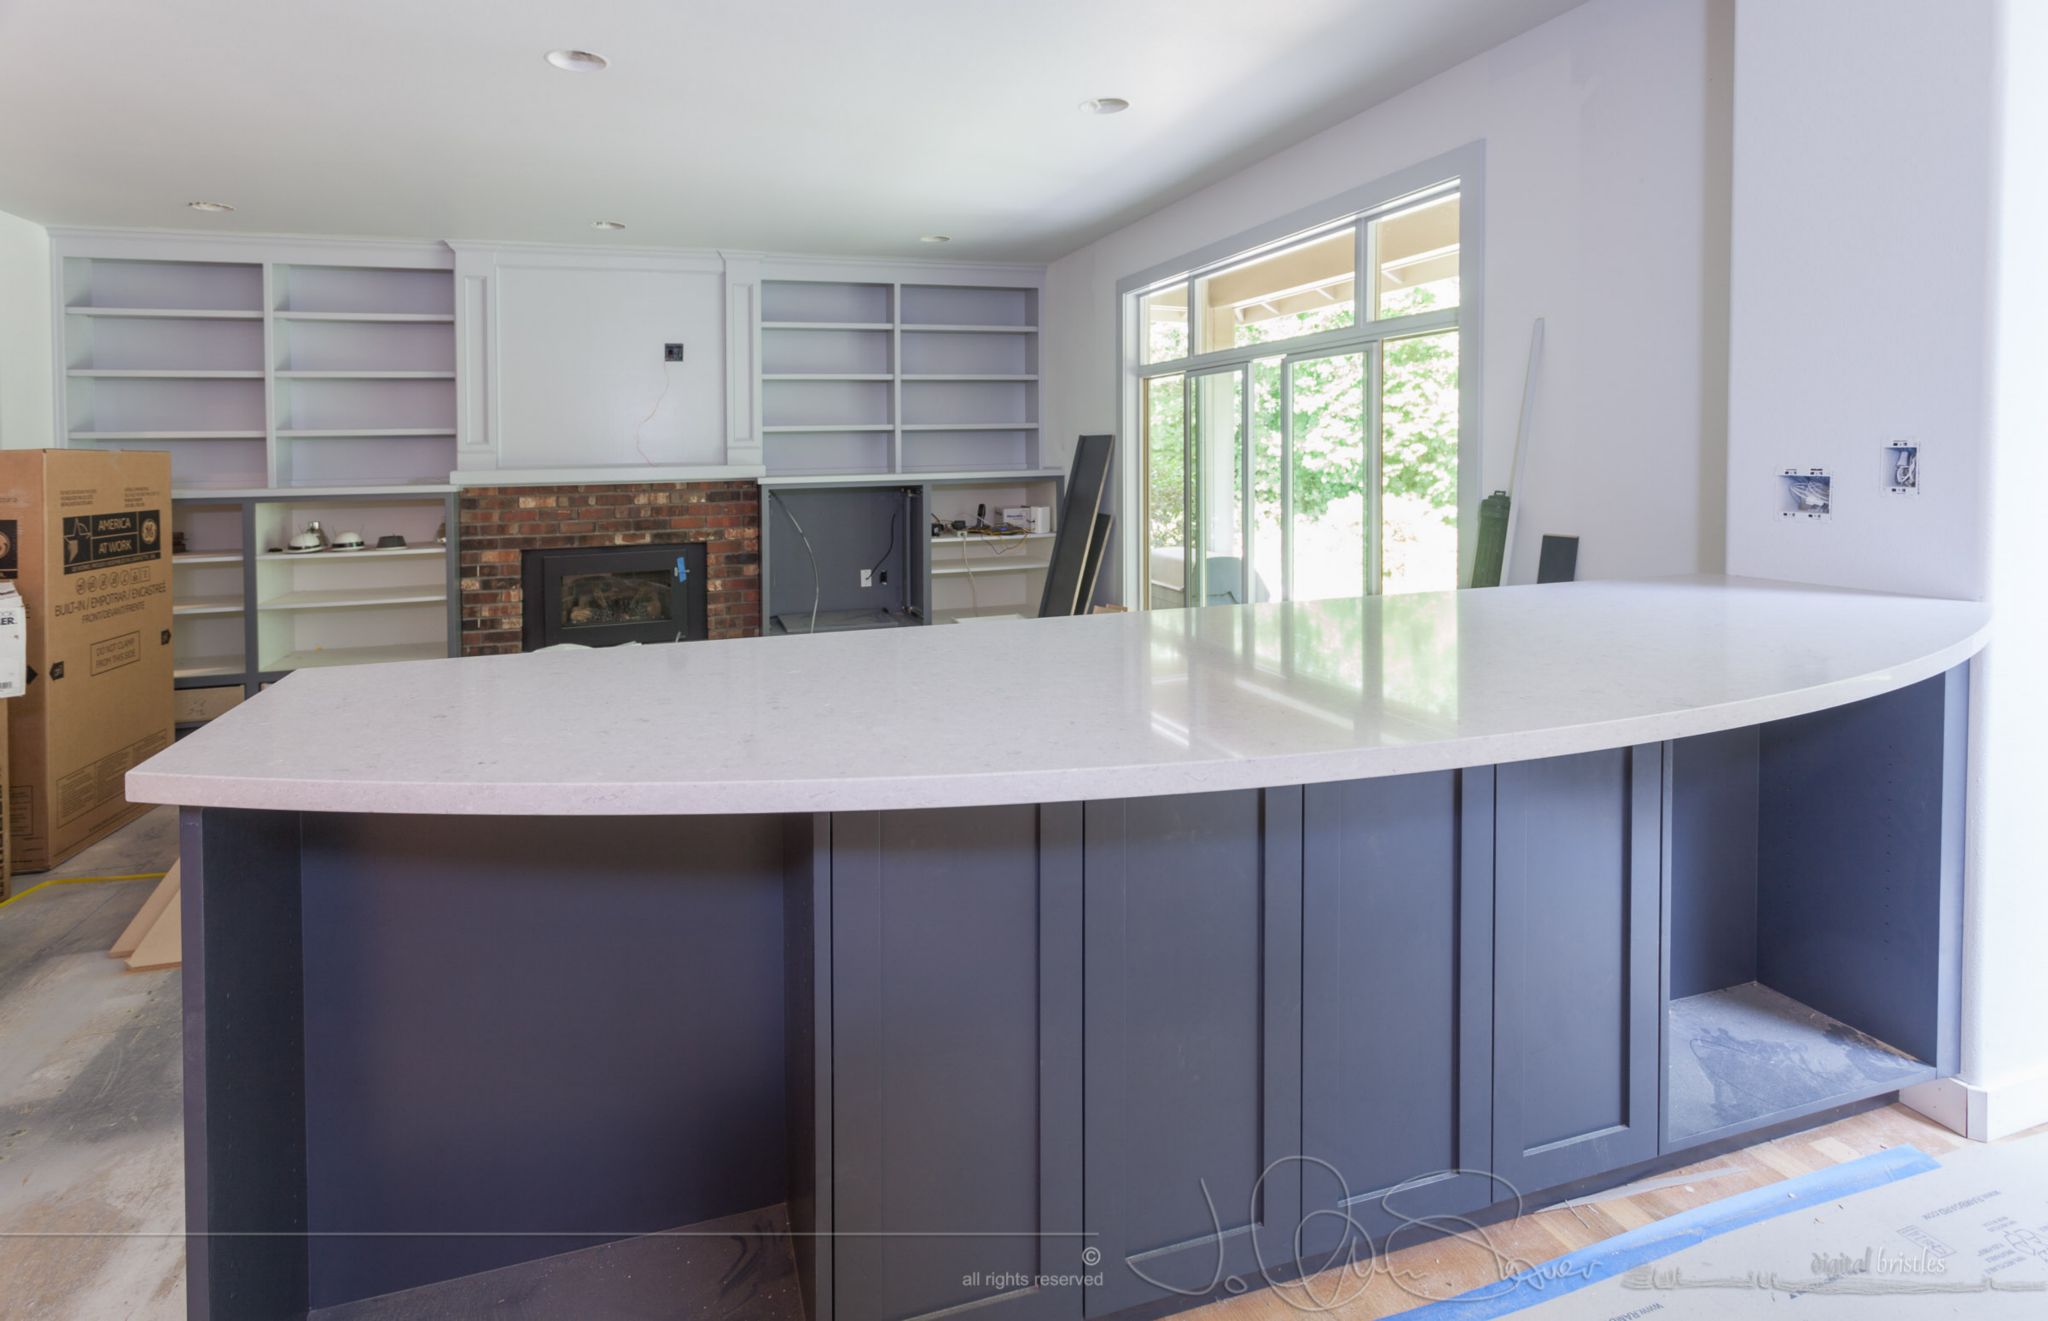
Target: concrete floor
92,1186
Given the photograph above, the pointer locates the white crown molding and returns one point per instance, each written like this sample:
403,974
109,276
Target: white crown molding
191,245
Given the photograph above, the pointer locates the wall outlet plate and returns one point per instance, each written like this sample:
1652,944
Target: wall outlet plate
1806,494
867,577
1902,466
671,353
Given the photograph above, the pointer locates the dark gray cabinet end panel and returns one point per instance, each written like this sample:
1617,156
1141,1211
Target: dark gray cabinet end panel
1193,1040
1577,884
807,1015
1398,1005
956,1109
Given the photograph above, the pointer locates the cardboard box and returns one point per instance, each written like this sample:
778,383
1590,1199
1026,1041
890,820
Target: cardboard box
197,704
85,536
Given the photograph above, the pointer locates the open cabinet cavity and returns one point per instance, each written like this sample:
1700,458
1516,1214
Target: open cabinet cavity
1813,910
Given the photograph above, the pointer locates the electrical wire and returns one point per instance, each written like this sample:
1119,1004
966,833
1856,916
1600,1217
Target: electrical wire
895,524
817,583
668,378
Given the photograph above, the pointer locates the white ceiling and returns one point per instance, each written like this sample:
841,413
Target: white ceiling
835,126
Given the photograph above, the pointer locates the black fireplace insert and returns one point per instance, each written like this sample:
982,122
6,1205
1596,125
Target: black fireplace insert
601,596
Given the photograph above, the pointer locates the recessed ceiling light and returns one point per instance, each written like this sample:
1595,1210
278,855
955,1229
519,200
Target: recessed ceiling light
209,206
577,61
1105,105
607,224
934,238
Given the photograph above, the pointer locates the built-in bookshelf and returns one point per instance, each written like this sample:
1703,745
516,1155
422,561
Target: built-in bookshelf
262,375
866,378
247,610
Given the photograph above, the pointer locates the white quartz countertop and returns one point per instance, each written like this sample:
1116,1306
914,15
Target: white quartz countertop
1053,710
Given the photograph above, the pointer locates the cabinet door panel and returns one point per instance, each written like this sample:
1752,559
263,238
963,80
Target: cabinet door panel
1397,1008
1576,860
1194,1040
956,1062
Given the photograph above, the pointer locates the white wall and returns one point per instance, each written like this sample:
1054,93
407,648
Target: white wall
26,417
1865,175
1606,149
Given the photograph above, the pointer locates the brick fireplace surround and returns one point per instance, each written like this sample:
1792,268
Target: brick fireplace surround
496,523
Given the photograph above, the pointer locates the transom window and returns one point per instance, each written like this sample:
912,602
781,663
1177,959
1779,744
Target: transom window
1300,425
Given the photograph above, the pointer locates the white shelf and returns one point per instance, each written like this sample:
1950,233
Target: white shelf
169,313
163,374
828,325
354,598
365,376
182,558
950,538
970,426
320,657
367,553
958,377
981,567
207,605
166,435
827,376
927,328
363,433
828,426
206,667
226,492
954,477
384,318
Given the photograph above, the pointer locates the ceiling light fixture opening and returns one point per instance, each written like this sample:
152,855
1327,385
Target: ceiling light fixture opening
934,238
577,61
607,224
1105,105
209,206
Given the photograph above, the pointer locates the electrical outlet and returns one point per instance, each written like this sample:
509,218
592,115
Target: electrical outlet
883,578
671,353
867,577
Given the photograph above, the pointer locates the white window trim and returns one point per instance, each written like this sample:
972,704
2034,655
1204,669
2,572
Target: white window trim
1462,170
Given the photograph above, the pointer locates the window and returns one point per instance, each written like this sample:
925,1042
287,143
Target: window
1301,425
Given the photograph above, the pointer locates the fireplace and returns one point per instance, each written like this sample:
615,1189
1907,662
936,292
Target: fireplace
602,596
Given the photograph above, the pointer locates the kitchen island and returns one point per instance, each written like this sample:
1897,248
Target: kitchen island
1046,968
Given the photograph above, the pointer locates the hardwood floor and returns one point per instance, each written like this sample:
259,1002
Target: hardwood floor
1442,1268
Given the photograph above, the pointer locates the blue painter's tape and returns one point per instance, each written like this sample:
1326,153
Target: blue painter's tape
1624,1252
682,570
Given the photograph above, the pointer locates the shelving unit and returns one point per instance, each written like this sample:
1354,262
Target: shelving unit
896,378
283,392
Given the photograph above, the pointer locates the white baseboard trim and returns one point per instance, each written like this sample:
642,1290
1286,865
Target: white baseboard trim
1983,1113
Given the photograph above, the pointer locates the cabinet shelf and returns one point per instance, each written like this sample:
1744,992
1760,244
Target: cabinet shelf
959,377
827,426
207,667
169,313
207,605
355,598
162,374
367,553
364,376
166,435
827,376
362,433
970,426
374,318
910,328
323,657
980,567
828,325
181,558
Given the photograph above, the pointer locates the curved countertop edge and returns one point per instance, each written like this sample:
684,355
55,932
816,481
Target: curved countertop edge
999,786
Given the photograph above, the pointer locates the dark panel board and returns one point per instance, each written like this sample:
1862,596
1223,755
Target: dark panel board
1557,560
737,1268
1397,1004
1194,1039
1087,479
1714,812
807,1034
849,529
245,1083
555,1031
1576,993
1860,862
956,1077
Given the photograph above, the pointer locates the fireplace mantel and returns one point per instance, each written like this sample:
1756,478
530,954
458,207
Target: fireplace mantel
610,474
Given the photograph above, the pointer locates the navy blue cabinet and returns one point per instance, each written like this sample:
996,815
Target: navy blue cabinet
1193,1041
1397,1010
1577,849
956,1063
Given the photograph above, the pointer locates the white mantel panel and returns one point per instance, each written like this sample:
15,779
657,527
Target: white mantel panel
578,376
